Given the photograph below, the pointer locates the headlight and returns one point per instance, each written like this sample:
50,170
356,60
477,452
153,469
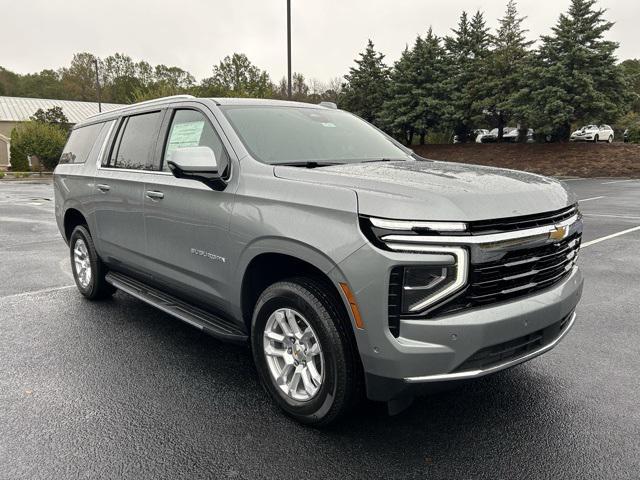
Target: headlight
443,270
428,284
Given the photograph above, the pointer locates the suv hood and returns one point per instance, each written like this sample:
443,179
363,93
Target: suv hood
433,190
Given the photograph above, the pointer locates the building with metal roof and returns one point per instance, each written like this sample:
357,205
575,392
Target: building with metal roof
14,110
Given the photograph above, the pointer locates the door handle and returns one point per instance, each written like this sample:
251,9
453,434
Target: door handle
103,187
154,195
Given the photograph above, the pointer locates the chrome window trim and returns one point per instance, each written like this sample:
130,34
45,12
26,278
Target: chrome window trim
462,272
398,240
495,368
133,170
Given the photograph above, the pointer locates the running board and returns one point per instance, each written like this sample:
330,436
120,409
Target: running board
202,320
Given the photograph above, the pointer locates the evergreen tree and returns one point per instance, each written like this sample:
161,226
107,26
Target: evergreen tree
576,79
631,71
466,51
504,70
399,113
367,85
479,37
430,73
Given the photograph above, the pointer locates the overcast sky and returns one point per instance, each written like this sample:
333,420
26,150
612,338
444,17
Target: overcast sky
195,34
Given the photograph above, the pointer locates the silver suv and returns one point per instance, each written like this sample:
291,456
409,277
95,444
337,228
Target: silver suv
350,265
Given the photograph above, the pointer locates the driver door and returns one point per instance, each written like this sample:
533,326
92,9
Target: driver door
186,222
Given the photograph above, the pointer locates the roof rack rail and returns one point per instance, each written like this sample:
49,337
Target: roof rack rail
147,102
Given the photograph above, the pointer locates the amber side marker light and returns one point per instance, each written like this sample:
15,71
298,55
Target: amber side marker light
354,306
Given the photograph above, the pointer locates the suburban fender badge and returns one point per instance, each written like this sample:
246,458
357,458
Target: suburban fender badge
209,255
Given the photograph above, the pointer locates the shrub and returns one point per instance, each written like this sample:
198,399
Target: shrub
46,141
1,175
634,133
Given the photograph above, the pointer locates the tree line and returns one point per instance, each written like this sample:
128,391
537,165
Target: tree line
479,78
123,80
474,77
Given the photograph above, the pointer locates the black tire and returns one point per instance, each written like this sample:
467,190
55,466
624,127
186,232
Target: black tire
342,385
97,288
595,139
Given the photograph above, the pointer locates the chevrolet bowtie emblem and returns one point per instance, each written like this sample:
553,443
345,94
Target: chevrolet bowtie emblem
560,233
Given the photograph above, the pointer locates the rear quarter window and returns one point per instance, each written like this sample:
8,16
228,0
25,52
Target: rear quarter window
80,143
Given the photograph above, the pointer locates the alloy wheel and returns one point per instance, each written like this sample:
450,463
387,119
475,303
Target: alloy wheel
82,263
294,354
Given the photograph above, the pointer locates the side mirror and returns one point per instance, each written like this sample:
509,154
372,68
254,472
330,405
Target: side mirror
197,163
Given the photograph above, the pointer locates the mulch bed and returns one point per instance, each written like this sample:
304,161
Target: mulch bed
559,159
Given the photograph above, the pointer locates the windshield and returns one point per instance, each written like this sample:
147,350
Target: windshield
277,135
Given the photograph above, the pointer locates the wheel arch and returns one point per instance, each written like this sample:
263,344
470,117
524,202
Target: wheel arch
72,218
267,265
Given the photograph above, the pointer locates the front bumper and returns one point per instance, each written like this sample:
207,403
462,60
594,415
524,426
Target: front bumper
432,350
511,362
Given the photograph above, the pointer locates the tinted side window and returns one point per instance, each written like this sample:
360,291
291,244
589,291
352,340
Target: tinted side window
136,141
190,128
80,143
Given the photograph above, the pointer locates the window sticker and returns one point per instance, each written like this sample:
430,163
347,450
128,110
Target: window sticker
183,135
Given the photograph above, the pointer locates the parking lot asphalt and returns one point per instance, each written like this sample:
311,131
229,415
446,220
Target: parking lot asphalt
118,389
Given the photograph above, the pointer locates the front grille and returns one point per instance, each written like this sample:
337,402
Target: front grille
484,227
517,273
522,272
513,349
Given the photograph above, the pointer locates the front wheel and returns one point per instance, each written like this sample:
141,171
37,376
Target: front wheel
305,356
88,270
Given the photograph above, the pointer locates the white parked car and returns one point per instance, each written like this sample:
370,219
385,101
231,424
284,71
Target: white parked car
593,133
513,134
480,132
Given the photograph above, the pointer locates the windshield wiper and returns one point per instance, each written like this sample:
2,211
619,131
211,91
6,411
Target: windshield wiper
308,164
383,160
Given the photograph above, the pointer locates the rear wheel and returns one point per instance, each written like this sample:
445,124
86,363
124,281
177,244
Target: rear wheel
595,139
610,139
88,270
305,356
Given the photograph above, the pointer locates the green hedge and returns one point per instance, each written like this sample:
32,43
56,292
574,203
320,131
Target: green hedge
44,140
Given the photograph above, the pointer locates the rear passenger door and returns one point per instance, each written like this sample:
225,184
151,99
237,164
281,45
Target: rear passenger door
119,185
187,223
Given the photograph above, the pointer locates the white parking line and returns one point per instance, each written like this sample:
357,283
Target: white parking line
37,292
592,198
606,215
602,239
619,181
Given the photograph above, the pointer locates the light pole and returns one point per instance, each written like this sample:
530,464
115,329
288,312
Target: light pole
289,48
95,63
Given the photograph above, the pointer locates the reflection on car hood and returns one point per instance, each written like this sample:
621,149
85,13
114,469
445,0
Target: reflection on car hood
438,190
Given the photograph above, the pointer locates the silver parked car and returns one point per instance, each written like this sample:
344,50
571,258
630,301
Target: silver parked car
348,264
593,133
